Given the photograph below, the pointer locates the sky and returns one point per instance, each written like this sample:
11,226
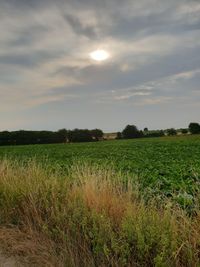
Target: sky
49,81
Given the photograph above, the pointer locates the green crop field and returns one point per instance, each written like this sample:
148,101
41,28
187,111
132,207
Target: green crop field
110,203
168,164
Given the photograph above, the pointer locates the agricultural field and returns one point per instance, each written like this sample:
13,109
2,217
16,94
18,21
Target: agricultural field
169,163
110,203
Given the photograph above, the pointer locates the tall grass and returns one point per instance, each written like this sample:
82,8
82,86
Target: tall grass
90,217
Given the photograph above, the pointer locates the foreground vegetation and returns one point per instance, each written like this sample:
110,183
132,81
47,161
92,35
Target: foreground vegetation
113,203
167,165
90,216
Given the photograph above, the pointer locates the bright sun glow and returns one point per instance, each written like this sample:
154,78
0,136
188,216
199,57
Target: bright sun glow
99,55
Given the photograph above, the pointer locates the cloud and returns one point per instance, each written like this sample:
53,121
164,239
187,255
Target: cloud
155,101
28,60
28,36
130,95
186,75
44,56
79,27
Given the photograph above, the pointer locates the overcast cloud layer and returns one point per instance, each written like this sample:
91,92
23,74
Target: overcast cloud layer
48,81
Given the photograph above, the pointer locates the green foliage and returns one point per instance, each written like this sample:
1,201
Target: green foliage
131,131
171,131
154,133
48,137
62,135
97,134
78,135
119,135
194,128
166,166
93,220
184,130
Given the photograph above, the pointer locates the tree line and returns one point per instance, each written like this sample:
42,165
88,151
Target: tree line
131,131
23,137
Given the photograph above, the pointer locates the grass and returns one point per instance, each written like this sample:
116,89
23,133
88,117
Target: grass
171,164
91,216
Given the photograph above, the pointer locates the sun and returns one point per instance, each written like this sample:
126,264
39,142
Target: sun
99,55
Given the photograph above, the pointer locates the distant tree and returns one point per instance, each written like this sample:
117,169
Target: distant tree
145,131
80,135
194,128
5,138
155,133
62,135
161,133
119,135
97,134
141,134
171,131
184,131
23,137
130,131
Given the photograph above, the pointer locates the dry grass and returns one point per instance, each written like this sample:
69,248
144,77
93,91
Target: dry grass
28,248
90,218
